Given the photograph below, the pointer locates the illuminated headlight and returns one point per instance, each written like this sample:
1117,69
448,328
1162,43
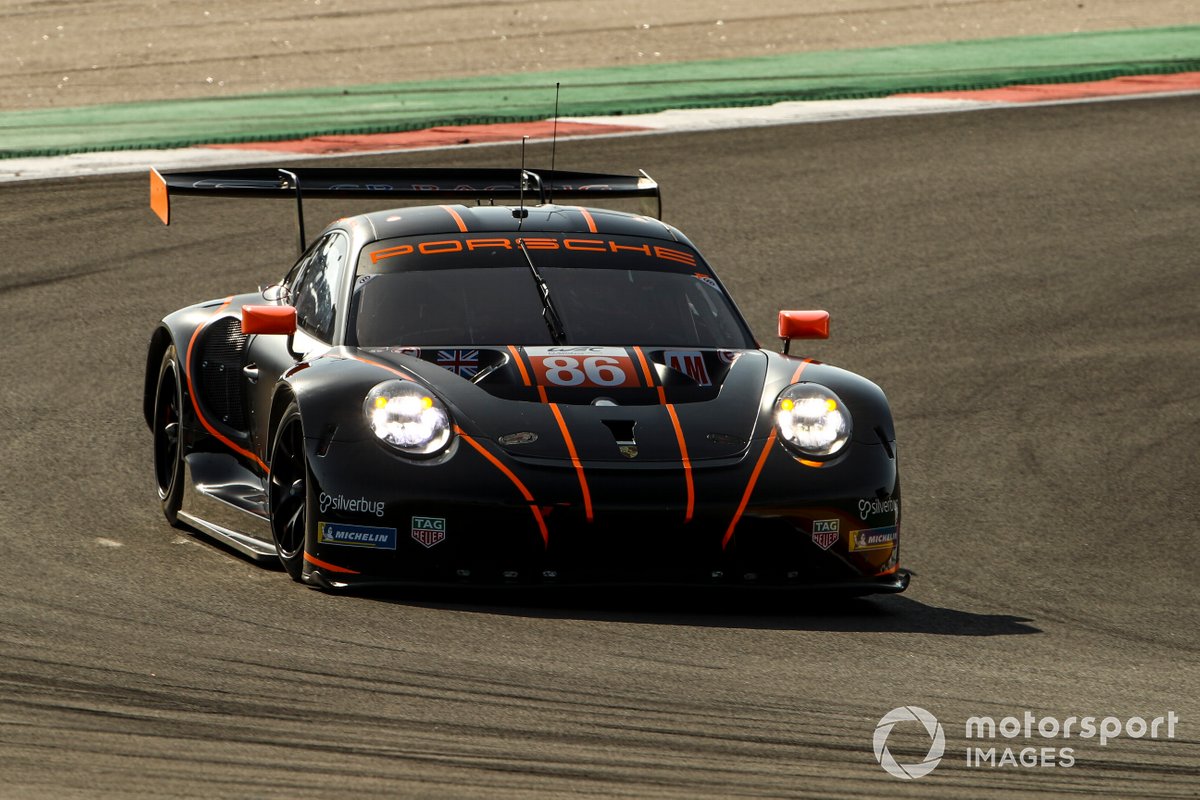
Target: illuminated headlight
812,419
407,417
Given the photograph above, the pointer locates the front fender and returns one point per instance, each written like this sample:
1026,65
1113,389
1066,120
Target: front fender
870,411
329,391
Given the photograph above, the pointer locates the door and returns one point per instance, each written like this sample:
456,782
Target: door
313,287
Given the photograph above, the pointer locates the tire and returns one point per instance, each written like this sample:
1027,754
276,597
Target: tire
168,440
288,492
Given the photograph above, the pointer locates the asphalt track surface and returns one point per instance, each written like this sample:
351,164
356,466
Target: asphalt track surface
1021,282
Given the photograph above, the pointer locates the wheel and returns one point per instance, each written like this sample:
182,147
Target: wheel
288,492
168,444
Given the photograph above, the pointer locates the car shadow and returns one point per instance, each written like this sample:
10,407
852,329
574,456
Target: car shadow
735,607
759,609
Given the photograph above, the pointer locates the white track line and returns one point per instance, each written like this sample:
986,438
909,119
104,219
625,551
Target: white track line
672,121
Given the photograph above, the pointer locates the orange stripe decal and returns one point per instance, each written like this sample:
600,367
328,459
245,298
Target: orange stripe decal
683,454
799,369
645,366
587,217
662,394
508,473
762,459
187,371
562,426
687,464
516,354
390,369
331,567
537,513
462,226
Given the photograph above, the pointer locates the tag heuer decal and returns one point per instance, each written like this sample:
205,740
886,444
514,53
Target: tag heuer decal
428,531
825,532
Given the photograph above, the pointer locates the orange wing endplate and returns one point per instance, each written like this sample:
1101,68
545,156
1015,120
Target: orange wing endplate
160,203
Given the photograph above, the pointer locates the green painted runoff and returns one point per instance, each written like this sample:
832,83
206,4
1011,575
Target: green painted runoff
380,108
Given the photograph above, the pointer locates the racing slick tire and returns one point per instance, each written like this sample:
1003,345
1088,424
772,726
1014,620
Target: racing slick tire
168,444
289,490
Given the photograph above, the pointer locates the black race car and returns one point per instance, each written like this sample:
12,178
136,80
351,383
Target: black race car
512,391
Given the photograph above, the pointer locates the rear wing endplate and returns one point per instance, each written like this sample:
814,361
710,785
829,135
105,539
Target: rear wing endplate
481,185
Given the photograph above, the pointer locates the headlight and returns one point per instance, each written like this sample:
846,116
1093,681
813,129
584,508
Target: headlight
407,417
812,419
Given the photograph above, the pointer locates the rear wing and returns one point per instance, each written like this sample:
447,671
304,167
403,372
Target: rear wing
481,185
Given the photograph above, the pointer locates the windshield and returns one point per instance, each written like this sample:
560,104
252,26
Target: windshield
608,290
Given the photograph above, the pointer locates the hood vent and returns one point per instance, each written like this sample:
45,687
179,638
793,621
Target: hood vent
622,431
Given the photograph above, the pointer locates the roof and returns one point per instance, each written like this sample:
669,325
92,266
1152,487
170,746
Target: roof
439,219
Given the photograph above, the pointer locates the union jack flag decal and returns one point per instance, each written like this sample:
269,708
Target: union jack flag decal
464,363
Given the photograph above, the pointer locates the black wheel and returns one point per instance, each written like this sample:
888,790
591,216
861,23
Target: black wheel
168,443
288,492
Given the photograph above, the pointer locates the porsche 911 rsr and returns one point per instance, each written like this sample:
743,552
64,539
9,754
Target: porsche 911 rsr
524,393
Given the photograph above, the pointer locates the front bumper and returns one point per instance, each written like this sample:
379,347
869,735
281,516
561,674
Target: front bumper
377,518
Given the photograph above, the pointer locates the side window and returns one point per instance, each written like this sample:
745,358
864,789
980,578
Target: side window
315,283
295,273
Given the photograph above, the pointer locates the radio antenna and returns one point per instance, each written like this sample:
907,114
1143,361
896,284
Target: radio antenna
520,213
554,140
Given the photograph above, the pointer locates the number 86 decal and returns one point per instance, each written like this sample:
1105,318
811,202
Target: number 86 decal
585,367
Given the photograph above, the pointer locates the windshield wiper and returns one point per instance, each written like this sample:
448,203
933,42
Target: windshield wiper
553,321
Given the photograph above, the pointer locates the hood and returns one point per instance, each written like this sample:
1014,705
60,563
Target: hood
624,405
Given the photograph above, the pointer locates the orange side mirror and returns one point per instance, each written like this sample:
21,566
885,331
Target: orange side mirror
280,320
802,325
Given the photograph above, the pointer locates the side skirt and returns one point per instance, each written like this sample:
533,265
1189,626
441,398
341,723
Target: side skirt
225,501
